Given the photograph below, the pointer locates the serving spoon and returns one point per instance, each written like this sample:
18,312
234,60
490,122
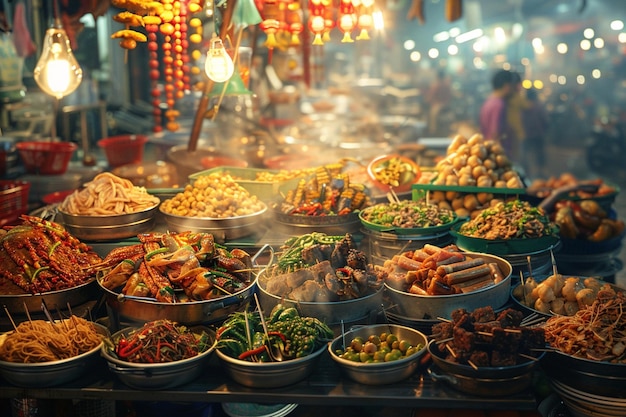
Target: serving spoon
276,355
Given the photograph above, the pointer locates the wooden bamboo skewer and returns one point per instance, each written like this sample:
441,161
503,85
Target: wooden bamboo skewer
6,310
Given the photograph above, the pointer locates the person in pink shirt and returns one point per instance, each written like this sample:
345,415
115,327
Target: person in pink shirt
493,124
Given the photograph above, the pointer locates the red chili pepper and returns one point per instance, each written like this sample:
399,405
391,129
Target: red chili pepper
279,334
252,352
344,211
128,350
345,271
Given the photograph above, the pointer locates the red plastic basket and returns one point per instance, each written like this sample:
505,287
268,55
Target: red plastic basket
123,149
46,158
13,200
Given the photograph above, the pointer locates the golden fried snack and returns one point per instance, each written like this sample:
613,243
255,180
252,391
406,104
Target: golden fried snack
129,34
108,194
129,19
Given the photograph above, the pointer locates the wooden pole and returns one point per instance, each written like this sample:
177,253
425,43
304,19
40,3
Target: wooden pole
194,135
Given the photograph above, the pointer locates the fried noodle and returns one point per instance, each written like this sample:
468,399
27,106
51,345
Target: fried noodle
38,341
596,332
108,194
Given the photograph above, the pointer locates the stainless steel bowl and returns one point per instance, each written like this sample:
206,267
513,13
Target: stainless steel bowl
593,377
269,374
332,312
50,374
222,229
112,227
384,372
484,381
155,376
23,303
331,225
417,306
132,311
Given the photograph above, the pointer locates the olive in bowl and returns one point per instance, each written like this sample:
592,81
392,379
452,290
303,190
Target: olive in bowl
378,354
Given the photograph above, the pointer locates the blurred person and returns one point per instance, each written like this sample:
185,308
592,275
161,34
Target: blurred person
535,120
516,104
493,122
438,98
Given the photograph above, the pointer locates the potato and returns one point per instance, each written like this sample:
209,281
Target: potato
466,180
478,171
462,212
452,180
484,198
484,181
475,139
451,195
514,182
470,202
473,161
457,203
438,196
459,161
456,142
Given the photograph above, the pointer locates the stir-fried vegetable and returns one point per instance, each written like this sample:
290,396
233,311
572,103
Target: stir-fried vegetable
513,219
408,214
290,258
241,335
161,341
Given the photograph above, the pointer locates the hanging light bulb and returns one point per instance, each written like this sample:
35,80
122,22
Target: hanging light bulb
57,72
218,65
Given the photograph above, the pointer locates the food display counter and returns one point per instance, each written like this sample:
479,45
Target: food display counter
326,386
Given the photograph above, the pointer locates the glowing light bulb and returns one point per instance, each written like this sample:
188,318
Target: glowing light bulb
218,65
57,72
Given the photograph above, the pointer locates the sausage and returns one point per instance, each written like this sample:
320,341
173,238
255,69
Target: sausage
457,266
409,264
496,272
437,287
473,284
466,274
416,289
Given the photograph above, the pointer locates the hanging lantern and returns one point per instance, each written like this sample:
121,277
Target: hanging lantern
364,23
316,21
346,23
365,20
317,26
329,23
295,26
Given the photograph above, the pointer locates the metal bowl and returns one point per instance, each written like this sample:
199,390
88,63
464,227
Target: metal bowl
49,374
331,225
384,372
503,247
110,227
331,312
23,303
221,228
485,381
154,376
269,374
417,306
593,377
589,404
129,310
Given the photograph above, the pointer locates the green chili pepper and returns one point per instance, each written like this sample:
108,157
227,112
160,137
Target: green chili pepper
155,252
289,312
